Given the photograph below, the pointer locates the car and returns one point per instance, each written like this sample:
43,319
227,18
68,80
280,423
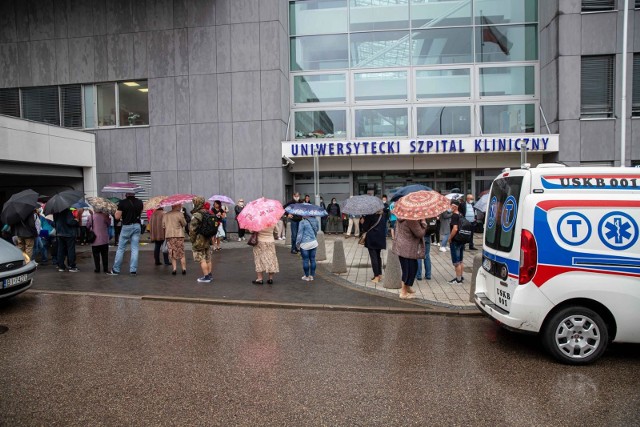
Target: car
16,270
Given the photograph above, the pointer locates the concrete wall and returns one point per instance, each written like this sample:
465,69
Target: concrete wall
218,83
566,34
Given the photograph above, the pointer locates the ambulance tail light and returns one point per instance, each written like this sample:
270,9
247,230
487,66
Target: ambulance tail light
528,257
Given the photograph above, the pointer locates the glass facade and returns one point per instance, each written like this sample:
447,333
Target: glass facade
408,68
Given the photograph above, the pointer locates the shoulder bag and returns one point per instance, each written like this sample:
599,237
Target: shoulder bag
363,237
253,240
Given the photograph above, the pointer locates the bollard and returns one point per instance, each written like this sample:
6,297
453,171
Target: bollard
477,264
393,273
339,264
321,253
287,240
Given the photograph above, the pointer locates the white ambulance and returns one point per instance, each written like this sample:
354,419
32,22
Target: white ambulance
561,257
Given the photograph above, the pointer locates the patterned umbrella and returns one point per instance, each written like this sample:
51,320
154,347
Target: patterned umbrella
305,209
176,199
408,189
122,187
452,196
63,200
362,205
100,204
421,205
19,206
260,214
222,199
153,203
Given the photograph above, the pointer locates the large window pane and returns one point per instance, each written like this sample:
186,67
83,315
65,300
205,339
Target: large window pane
505,81
440,13
10,102
317,17
71,102
133,98
636,81
442,46
382,122
453,83
89,106
41,104
597,86
505,11
449,120
517,118
320,88
380,86
500,43
380,49
367,15
106,100
319,52
321,124
598,5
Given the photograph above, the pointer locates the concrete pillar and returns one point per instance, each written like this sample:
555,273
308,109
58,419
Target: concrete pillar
321,254
287,240
339,264
393,273
477,264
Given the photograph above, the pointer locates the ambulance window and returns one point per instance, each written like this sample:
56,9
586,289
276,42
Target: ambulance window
502,213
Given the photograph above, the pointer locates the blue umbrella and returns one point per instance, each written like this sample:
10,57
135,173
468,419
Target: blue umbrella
362,205
305,209
81,205
403,191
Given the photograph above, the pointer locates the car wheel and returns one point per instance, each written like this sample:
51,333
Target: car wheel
576,335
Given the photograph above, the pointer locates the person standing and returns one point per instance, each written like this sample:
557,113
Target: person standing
334,225
323,220
220,214
295,221
457,249
264,256
238,208
26,233
158,236
173,224
66,226
468,211
409,246
432,226
307,198
308,244
375,241
445,229
200,245
392,220
99,224
354,222
129,212
83,217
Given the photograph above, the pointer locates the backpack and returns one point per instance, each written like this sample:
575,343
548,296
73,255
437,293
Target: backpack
431,226
465,231
208,227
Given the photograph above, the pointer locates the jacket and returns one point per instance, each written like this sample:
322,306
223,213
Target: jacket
26,228
307,231
174,223
445,220
198,241
376,233
99,224
331,207
409,241
65,224
157,232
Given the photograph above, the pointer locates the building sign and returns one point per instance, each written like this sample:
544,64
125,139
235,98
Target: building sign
414,147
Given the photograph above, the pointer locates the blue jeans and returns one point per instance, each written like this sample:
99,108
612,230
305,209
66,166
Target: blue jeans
309,261
427,259
129,233
444,239
40,247
457,251
294,235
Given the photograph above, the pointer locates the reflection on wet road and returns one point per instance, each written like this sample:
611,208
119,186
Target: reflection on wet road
82,360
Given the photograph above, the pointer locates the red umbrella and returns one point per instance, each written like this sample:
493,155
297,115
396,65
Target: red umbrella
260,214
421,205
176,199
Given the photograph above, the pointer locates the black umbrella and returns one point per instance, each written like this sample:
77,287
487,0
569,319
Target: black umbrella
403,191
63,200
19,206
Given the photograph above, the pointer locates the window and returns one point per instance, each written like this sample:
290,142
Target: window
440,13
502,214
500,43
506,11
41,104
133,103
89,94
597,86
635,106
368,15
598,5
507,81
445,120
514,118
447,83
71,103
106,102
320,88
317,17
319,52
381,122
380,49
442,46
380,86
321,124
10,102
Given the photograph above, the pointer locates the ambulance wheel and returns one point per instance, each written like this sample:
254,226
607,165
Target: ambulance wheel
576,335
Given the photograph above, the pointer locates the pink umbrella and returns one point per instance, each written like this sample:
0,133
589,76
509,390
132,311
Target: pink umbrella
260,214
222,199
176,199
122,187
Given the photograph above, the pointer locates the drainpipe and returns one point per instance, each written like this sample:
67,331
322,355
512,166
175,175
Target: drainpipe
623,107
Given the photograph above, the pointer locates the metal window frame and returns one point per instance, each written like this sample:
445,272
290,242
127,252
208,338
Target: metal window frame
407,107
292,77
292,136
536,84
536,114
472,84
468,104
352,79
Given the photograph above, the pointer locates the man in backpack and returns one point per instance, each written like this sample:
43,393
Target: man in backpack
468,211
431,228
457,249
200,244
129,212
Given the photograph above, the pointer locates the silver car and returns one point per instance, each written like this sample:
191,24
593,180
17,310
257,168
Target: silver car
16,270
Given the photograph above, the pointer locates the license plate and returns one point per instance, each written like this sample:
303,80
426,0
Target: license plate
15,281
503,299
486,264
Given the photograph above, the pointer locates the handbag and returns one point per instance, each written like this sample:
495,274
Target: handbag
165,247
253,240
363,236
91,236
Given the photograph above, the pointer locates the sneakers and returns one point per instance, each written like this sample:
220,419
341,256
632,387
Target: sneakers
112,273
73,270
62,270
239,239
310,279
418,278
442,249
133,273
205,279
305,278
438,244
454,281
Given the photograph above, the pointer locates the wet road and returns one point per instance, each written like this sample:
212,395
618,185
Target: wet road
86,360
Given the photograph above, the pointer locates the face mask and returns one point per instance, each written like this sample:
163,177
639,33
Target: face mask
296,198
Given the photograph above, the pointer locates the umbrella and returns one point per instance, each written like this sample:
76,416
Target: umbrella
81,205
153,203
19,206
114,200
222,199
362,205
63,200
421,205
100,204
122,187
482,203
452,196
403,191
176,199
260,214
305,209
